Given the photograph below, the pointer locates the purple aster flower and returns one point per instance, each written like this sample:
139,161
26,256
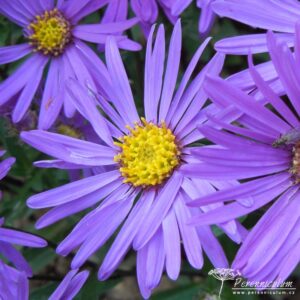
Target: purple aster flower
276,15
70,286
14,280
55,38
139,183
263,149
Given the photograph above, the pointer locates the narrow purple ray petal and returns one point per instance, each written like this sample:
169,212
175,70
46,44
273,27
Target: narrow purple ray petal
120,80
189,234
212,247
52,100
160,208
21,238
12,53
185,79
27,94
15,257
249,188
21,77
5,166
263,14
61,195
155,259
254,43
76,284
85,103
59,292
154,67
126,235
279,105
69,149
82,231
235,210
75,206
112,217
284,63
171,71
172,245
245,103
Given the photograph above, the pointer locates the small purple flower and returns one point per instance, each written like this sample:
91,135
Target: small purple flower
277,15
139,183
14,280
262,148
70,286
55,38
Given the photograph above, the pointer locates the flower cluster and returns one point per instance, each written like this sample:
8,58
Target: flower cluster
157,179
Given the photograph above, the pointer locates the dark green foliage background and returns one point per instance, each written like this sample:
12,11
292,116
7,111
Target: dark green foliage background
25,180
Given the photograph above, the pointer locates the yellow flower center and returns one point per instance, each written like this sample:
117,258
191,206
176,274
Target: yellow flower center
148,154
51,32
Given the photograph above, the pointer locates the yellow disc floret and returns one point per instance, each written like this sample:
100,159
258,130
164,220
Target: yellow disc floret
50,32
148,154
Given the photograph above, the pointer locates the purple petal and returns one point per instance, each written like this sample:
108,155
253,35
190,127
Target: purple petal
64,210
13,53
172,245
160,208
61,195
126,236
251,43
69,149
21,238
171,71
189,234
154,67
264,14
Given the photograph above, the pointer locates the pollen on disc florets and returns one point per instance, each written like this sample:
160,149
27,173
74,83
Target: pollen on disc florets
50,33
148,154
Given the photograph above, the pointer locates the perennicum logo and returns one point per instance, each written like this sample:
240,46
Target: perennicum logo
224,274
246,287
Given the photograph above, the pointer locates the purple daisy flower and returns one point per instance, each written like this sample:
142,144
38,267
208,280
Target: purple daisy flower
14,280
263,149
139,180
70,286
55,37
276,15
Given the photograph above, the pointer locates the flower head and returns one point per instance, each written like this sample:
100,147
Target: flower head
140,181
55,37
262,149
